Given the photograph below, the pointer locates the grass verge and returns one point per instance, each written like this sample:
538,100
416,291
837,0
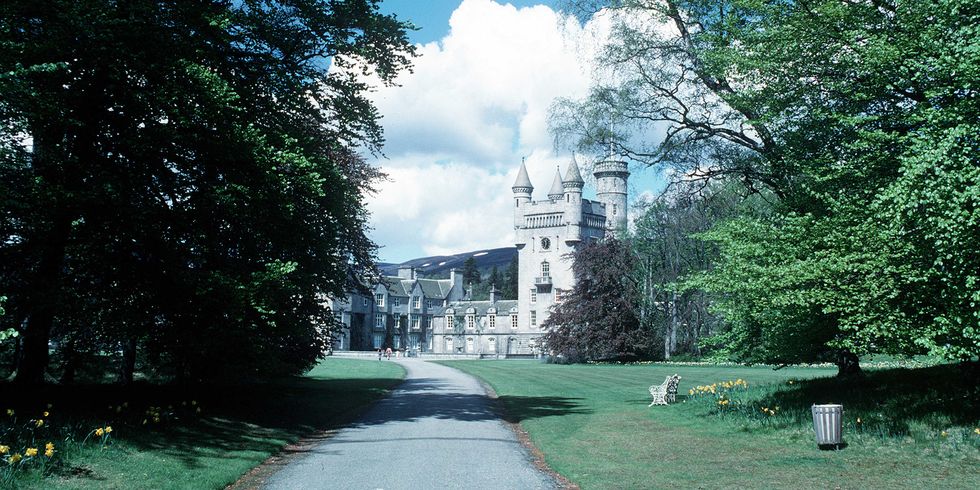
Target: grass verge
181,437
917,425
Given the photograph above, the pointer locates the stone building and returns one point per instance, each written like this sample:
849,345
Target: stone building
398,312
436,315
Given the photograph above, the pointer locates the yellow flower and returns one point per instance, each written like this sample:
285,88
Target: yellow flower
39,423
30,452
15,458
99,432
46,413
943,433
10,412
977,431
49,446
4,449
108,429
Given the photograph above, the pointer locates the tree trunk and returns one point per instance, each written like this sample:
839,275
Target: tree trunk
70,365
847,364
43,301
129,361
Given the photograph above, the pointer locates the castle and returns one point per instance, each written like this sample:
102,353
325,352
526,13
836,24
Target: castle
435,315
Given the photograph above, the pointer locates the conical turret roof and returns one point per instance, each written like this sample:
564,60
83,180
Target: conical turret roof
557,187
522,179
573,176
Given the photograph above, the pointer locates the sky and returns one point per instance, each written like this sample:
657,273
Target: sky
477,102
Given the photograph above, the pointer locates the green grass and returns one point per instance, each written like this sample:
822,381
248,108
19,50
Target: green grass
238,427
593,426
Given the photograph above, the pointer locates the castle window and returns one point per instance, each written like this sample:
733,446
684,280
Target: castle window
416,302
545,269
379,320
470,322
428,322
416,323
449,322
492,321
534,318
396,302
378,338
492,344
379,299
534,296
364,302
449,344
469,344
614,210
513,322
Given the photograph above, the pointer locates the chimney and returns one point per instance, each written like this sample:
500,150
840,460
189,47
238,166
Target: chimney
406,272
493,294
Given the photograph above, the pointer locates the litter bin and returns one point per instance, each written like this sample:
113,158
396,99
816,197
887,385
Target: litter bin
827,425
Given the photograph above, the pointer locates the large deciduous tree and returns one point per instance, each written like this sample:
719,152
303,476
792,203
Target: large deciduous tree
183,176
860,118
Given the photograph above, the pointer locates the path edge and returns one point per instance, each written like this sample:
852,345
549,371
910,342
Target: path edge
537,456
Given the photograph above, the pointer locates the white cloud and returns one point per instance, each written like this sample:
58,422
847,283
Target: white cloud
458,126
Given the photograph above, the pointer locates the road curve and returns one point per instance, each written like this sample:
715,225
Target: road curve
436,430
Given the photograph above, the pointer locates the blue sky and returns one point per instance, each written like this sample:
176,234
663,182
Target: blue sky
477,102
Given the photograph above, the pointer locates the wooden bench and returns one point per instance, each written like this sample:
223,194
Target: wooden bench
666,392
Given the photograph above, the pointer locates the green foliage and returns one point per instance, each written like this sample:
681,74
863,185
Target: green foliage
191,186
858,120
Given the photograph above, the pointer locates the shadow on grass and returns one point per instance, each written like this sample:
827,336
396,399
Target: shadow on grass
891,401
236,420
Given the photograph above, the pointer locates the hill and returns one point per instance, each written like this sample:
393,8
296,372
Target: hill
438,266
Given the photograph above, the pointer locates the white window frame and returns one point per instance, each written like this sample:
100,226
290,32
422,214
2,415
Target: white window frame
416,323
379,299
513,322
449,323
470,322
492,321
534,318
534,296
545,269
395,302
417,302
379,320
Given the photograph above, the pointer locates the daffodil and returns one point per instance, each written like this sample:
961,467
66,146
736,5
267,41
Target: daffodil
39,423
46,413
99,432
108,429
15,458
977,431
4,449
10,412
30,452
943,433
49,450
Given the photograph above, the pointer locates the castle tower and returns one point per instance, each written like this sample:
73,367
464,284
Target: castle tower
522,195
557,191
611,175
573,184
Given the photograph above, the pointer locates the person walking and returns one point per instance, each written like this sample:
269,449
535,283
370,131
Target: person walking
388,353
379,353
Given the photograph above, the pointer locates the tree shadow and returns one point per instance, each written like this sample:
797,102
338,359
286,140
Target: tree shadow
237,419
890,401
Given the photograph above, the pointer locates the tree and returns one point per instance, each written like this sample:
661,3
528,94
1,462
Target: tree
471,275
599,318
509,287
182,176
843,113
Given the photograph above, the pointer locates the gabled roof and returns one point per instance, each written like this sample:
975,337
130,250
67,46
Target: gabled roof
460,307
397,286
433,288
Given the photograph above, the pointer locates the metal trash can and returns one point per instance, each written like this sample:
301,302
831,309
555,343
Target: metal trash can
827,424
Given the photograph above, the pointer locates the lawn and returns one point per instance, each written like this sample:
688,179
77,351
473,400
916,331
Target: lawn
160,440
593,425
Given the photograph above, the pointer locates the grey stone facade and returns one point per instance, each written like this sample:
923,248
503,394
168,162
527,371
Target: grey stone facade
431,315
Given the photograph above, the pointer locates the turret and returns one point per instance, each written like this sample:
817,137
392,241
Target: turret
522,194
557,191
611,175
573,184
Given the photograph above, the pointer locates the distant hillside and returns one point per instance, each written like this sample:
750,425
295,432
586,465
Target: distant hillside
439,265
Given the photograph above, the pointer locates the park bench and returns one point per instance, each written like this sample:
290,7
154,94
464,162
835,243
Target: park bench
665,392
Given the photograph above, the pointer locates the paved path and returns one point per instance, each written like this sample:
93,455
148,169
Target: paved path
436,430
